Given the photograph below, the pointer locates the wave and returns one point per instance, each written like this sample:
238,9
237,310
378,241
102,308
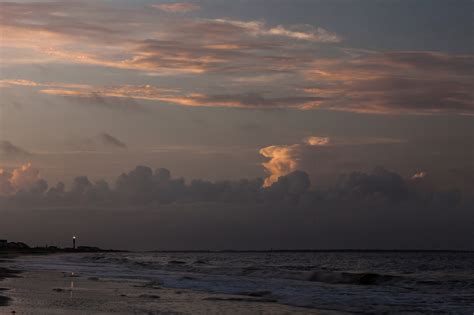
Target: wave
363,278
290,272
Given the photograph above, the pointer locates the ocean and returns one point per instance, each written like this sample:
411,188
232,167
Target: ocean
354,281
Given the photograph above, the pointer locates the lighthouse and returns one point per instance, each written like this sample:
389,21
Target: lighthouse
74,242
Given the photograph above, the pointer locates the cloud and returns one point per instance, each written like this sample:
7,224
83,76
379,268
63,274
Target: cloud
238,212
28,83
313,71
389,84
305,32
20,179
256,100
176,96
10,151
111,141
299,32
24,176
317,141
419,175
379,190
178,7
324,158
288,188
379,185
100,142
8,83
378,209
397,83
168,45
285,158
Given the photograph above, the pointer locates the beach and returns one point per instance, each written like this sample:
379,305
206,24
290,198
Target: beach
46,292
60,292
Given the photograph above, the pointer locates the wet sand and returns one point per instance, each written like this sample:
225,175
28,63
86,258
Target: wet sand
5,273
49,292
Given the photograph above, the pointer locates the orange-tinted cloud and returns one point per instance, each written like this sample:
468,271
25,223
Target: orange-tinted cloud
317,140
19,178
75,32
285,158
419,175
396,83
165,95
233,55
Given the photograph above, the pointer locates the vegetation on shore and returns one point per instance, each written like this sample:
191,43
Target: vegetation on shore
22,248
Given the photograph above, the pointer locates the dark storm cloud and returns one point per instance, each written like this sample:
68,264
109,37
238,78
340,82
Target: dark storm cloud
145,187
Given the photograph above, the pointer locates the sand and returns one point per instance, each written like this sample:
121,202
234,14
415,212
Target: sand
50,292
5,273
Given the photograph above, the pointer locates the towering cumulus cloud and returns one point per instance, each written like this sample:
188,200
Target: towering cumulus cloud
284,158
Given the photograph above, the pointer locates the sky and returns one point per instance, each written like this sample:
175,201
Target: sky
311,113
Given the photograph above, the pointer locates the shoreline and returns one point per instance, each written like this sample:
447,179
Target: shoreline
59,292
8,254
4,274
